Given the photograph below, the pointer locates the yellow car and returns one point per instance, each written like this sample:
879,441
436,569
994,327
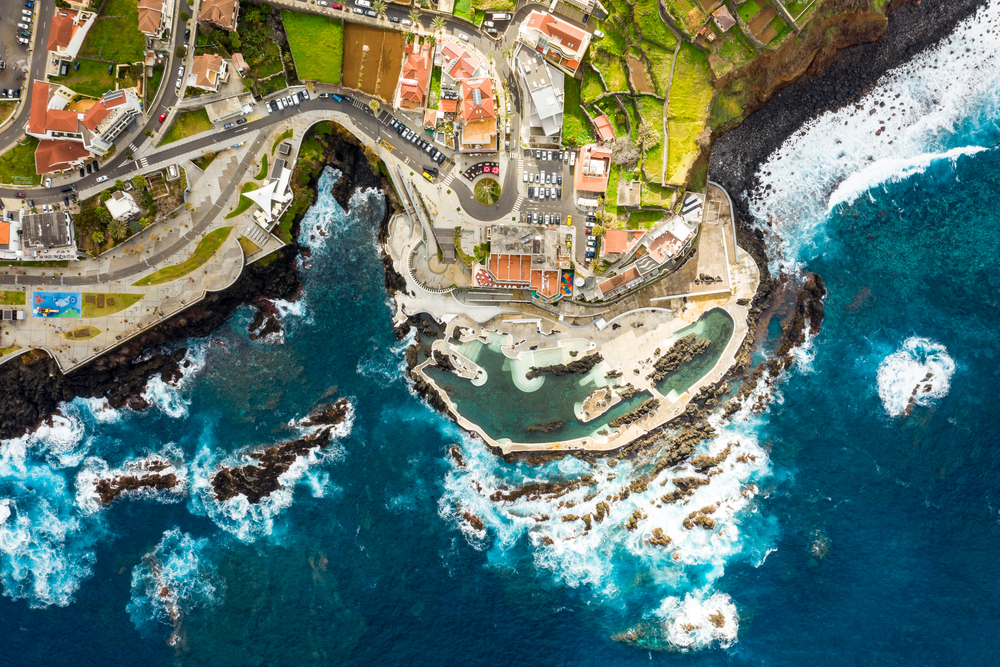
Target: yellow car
569,220
428,177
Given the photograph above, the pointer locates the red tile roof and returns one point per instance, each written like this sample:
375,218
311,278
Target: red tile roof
41,119
471,111
612,284
57,155
510,268
584,179
413,82
448,106
568,35
619,241
4,233
464,64
61,30
604,128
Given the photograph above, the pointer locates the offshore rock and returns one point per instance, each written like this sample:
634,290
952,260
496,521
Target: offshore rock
681,352
644,408
256,482
582,365
659,539
545,427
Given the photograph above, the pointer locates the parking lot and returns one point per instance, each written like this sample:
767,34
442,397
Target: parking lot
14,55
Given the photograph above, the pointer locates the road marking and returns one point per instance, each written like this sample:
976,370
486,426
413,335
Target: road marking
386,145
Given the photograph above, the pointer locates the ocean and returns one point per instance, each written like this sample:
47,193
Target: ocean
857,521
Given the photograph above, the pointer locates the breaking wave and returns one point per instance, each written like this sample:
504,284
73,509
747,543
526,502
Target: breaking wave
918,373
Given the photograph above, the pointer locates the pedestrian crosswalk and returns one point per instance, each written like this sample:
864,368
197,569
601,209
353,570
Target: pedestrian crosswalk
448,179
143,162
517,203
133,147
358,103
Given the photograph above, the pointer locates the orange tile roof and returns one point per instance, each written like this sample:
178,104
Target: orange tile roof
56,155
95,115
482,111
41,119
206,69
4,233
619,241
604,128
588,182
571,64
612,284
568,35
220,12
510,268
448,106
413,86
545,282
150,16
61,30
464,65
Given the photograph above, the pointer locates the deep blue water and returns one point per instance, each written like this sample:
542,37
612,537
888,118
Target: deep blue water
865,536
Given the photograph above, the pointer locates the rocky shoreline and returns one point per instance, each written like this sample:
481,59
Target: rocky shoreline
34,385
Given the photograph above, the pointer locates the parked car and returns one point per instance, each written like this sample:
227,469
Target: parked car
97,167
19,195
76,66
17,93
180,82
598,34
371,14
73,198
187,34
24,26
25,33
31,203
89,169
462,36
406,22
531,192
559,179
240,121
22,41
228,126
393,19
48,182
359,11
82,172
66,202
338,6
488,24
29,5
281,104
4,93
101,179
589,255
180,72
111,69
322,3
525,177
163,116
27,14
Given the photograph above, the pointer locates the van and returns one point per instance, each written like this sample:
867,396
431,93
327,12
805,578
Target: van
501,17
572,159
68,188
296,100
281,104
362,3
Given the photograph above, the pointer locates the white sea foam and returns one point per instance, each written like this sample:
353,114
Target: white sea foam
920,369
940,106
170,461
174,579
694,622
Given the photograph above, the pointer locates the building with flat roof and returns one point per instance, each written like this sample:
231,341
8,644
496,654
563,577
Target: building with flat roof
528,257
66,33
122,206
544,85
590,180
48,236
561,42
107,120
220,13
229,108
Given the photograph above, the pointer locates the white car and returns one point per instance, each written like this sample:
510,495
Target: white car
406,22
180,83
462,36
488,24
24,26
48,182
180,72
28,13
101,179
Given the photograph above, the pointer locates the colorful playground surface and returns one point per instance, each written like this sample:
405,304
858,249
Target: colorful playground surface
566,283
56,304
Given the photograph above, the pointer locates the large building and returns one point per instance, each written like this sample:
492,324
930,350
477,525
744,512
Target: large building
154,16
559,41
58,156
67,32
527,256
478,117
208,72
544,85
51,120
590,180
220,13
48,236
458,65
414,78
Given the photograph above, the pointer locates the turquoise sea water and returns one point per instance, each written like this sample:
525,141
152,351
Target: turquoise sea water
848,532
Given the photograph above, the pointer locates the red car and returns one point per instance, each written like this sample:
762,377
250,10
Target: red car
19,195
336,6
163,116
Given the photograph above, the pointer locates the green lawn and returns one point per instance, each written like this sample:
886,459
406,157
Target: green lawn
113,303
614,113
17,166
92,79
115,34
644,219
152,85
748,10
262,174
205,160
187,124
249,247
317,44
656,196
273,85
647,15
734,51
690,95
436,87
660,60
463,8
613,70
633,117
272,68
611,194
651,111
13,298
576,129
244,202
206,248
592,86
287,134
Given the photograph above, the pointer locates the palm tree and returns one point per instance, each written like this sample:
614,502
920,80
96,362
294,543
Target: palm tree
437,25
117,229
415,17
379,8
507,52
409,36
374,106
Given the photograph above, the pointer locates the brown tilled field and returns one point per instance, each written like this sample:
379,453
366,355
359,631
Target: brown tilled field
376,71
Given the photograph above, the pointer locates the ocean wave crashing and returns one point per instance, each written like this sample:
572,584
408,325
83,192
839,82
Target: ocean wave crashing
918,373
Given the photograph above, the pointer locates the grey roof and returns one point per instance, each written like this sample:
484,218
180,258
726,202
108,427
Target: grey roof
47,230
545,88
279,164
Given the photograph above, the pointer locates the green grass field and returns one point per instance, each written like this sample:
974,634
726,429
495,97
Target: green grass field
748,10
436,87
735,50
273,85
592,86
647,15
262,174
152,85
651,112
317,44
644,219
92,79
576,129
463,8
272,68
614,113
17,166
206,248
244,202
12,298
287,134
633,117
690,95
611,193
81,333
118,303
115,34
187,124
613,70
205,160
656,196
660,60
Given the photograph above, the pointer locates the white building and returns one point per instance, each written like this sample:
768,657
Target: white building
122,206
67,32
561,42
544,85
274,197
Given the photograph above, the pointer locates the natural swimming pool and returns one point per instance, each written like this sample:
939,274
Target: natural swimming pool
717,326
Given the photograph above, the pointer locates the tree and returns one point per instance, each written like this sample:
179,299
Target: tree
145,222
118,230
409,36
438,25
648,137
507,52
180,51
98,237
128,156
185,17
119,184
139,181
379,8
105,195
598,230
374,106
415,17
625,153
104,215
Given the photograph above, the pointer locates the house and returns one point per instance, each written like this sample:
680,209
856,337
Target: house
57,156
544,85
629,193
620,284
48,236
230,108
220,13
122,206
414,78
604,128
240,65
208,72
97,129
723,19
458,65
591,177
478,117
559,41
618,243
67,32
154,17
